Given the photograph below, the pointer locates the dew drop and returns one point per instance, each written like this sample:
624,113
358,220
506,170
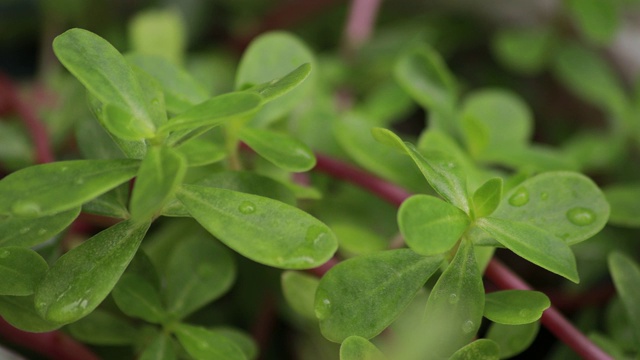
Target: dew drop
26,208
544,196
453,299
24,230
84,303
468,326
247,207
4,254
581,216
42,231
316,235
323,309
519,198
205,270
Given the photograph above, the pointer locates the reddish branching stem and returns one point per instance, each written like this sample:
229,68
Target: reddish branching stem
498,273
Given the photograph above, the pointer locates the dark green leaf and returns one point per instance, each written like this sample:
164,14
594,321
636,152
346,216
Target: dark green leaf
363,295
359,348
159,176
626,277
597,19
80,279
27,232
513,339
277,87
515,307
243,340
204,344
429,225
113,203
105,73
94,142
138,298
533,244
487,197
524,50
160,348
103,328
299,291
20,270
264,230
282,150
481,349
454,310
199,271
20,312
625,207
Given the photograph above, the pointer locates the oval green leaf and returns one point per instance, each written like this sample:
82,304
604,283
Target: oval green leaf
138,298
626,277
160,348
27,232
161,32
21,270
51,188
359,348
103,328
80,279
264,230
515,307
625,207
363,295
277,87
524,50
204,344
20,312
487,197
280,149
429,225
299,291
481,349
513,339
598,20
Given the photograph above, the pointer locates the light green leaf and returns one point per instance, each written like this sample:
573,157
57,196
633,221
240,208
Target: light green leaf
105,73
429,225
214,112
181,91
359,348
487,197
356,239
626,277
524,50
80,279
153,95
481,349
199,152
597,19
103,328
138,298
363,295
565,204
51,188
264,230
160,348
533,158
299,291
515,307
27,232
281,149
441,170
277,87
199,271
454,310
272,56
204,344
625,207
20,312
513,339
21,270
533,244
159,32
159,176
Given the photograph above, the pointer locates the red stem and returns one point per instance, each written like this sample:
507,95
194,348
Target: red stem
498,273
359,27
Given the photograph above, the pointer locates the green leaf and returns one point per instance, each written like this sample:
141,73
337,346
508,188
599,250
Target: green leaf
199,271
513,339
429,225
441,170
487,197
625,207
565,204
243,340
181,91
51,188
626,277
159,176
205,344
94,142
21,270
214,112
533,244
159,32
272,56
597,19
138,298
282,150
20,312
80,279
153,96
359,348
113,203
481,349
160,348
27,232
105,73
454,310
264,230
103,328
515,307
363,295
299,291
356,239
277,87
199,152
524,50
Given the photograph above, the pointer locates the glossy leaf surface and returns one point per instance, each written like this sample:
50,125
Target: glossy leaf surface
51,188
21,270
487,197
264,230
280,149
204,344
481,349
138,298
359,348
299,291
80,279
513,339
363,295
429,225
27,232
103,328
515,307
626,277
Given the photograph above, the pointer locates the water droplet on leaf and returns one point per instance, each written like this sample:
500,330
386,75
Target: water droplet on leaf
323,309
519,198
468,326
4,254
316,235
84,303
24,230
581,216
42,231
453,299
26,208
247,207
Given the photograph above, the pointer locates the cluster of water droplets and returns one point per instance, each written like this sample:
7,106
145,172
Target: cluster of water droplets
580,216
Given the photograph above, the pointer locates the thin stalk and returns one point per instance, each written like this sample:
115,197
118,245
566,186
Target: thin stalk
360,24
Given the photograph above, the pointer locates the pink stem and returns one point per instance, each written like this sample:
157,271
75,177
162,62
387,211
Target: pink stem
359,27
